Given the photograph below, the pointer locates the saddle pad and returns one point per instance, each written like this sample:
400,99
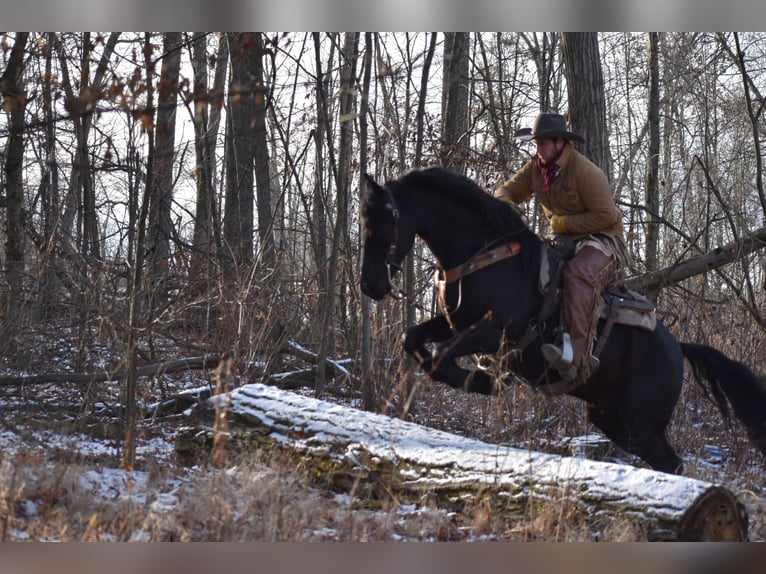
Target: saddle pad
633,309
642,318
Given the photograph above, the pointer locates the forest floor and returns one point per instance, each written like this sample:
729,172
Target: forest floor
61,447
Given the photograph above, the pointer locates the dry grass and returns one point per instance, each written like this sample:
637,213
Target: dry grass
264,500
268,496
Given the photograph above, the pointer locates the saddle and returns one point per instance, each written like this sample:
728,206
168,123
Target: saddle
625,306
618,305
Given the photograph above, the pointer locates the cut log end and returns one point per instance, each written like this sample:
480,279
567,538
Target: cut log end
716,517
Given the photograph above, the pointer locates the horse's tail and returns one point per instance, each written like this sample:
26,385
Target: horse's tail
724,378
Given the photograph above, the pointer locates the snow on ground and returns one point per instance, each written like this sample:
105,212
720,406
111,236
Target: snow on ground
391,437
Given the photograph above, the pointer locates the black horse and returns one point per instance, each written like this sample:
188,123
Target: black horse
630,397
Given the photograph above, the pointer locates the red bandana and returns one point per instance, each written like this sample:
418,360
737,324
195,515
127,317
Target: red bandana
550,171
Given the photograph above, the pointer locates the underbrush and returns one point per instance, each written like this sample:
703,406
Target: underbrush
262,497
60,451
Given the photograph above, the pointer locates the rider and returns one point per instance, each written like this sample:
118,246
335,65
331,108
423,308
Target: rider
577,201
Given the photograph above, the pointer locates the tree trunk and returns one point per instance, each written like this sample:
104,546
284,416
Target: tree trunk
50,284
161,194
381,457
455,101
135,295
585,89
343,182
319,198
260,99
206,117
12,90
653,166
238,214
369,395
91,239
409,261
702,263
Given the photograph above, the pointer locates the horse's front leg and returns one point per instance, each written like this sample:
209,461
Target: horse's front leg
440,364
435,330
482,338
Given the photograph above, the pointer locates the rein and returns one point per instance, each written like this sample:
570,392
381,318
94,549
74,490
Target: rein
480,260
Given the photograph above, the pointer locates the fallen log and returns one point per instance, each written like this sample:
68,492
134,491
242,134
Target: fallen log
395,456
334,367
152,370
710,260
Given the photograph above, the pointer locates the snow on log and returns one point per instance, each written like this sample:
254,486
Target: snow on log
408,458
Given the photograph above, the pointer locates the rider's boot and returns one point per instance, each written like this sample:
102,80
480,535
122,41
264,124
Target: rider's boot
556,358
584,277
560,357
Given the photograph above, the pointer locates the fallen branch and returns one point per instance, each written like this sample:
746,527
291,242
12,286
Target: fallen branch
295,378
394,456
153,370
333,366
699,264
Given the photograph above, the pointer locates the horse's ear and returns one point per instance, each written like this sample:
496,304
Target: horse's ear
372,186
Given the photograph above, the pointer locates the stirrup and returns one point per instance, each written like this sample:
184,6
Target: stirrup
559,358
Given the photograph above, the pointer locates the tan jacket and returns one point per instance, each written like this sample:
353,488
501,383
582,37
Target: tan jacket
580,193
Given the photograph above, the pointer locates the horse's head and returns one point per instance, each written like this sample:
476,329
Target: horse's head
386,240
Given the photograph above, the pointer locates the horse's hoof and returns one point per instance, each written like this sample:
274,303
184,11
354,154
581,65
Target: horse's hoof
480,382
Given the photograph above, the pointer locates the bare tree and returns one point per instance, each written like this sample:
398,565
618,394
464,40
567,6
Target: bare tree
455,93
349,56
260,98
369,396
238,212
652,168
585,89
14,100
49,190
409,262
543,49
135,295
161,193
80,200
501,95
320,211
207,102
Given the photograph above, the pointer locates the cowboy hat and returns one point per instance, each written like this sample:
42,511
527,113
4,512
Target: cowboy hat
548,126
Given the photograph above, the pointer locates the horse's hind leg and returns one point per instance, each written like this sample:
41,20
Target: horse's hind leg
647,441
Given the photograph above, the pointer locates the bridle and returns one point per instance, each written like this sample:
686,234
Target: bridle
391,267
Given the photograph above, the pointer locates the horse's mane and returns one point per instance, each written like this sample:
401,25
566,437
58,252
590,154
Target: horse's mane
496,214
